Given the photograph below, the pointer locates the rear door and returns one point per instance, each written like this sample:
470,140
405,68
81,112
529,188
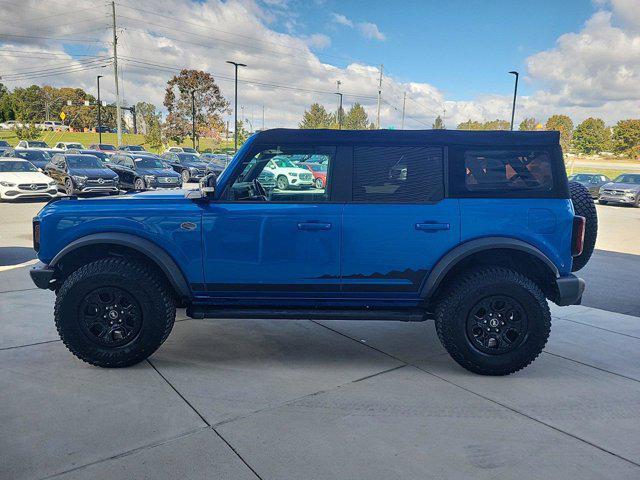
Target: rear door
399,223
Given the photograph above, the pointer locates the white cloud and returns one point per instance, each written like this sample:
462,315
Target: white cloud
371,31
342,20
591,72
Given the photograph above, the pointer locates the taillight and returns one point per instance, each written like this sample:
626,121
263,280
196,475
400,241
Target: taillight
36,235
577,238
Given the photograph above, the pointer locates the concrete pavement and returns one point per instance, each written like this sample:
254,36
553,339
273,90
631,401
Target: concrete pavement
299,399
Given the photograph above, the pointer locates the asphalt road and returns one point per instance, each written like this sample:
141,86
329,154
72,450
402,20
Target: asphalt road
612,275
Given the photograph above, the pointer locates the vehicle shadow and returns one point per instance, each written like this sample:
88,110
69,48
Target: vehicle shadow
15,255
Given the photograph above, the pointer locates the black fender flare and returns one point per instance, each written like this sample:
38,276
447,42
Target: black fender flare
459,253
145,247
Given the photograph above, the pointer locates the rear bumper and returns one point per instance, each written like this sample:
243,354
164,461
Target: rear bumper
42,276
570,290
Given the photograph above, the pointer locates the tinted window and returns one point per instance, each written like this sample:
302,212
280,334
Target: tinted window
188,157
31,155
148,162
628,179
507,171
398,174
83,161
35,144
582,178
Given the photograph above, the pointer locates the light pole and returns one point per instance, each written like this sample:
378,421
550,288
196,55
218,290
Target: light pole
339,111
193,118
99,118
235,108
515,94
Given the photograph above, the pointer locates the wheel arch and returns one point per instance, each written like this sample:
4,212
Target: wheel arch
502,251
120,244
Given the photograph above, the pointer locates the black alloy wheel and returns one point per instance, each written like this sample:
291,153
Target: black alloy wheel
497,324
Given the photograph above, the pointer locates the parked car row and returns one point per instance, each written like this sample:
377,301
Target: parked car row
624,189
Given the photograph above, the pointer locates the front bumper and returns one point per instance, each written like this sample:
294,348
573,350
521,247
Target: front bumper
42,276
570,290
617,198
11,193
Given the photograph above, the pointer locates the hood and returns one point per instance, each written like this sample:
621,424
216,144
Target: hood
25,177
93,172
160,172
622,186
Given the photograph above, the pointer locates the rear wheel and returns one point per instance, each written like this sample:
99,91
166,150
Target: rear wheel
584,206
494,321
114,312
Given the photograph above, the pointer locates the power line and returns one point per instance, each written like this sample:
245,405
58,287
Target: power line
71,70
24,71
65,39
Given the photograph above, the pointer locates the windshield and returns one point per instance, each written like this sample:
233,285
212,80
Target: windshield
135,148
74,145
628,179
148,162
189,150
106,146
101,155
188,157
32,155
582,178
38,144
4,143
84,161
17,166
284,163
317,167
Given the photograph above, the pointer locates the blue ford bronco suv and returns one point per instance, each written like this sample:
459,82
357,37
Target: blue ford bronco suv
475,230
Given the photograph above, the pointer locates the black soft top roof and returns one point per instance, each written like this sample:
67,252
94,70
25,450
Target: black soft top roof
410,137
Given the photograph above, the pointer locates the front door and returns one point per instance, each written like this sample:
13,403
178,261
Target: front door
398,223
263,241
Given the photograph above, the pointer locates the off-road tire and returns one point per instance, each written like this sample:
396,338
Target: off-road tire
584,206
455,306
151,293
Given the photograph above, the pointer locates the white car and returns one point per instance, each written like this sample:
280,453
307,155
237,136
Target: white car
10,125
38,144
69,146
51,125
181,150
288,174
21,179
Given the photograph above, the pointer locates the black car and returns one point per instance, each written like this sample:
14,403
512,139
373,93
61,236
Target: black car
143,172
82,174
102,129
40,158
103,156
188,165
593,182
4,146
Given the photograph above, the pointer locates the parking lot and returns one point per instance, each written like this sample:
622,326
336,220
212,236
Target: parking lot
302,399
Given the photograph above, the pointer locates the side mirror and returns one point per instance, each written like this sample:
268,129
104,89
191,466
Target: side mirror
208,186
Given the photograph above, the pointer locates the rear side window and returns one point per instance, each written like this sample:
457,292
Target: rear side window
398,174
504,173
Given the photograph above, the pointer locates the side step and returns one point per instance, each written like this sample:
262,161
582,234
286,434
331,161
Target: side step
398,315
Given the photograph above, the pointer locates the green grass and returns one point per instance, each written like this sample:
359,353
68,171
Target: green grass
127,139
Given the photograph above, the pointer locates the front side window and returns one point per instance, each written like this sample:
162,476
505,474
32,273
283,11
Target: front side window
274,175
17,166
507,171
398,174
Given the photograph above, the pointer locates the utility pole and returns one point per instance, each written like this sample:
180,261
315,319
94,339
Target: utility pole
379,97
404,104
193,118
99,117
339,111
115,74
235,108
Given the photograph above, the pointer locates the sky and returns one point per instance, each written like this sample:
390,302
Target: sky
451,58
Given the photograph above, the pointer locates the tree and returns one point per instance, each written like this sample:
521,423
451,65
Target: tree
356,118
496,125
28,104
591,136
28,132
317,117
209,104
438,124
626,137
146,116
243,134
528,123
470,125
564,125
6,110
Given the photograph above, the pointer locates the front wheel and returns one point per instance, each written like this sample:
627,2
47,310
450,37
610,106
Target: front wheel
493,321
602,202
282,182
186,176
114,312
68,186
319,183
138,185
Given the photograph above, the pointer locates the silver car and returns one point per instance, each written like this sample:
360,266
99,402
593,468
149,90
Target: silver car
624,190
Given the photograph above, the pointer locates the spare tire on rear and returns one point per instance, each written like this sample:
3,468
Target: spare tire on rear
583,206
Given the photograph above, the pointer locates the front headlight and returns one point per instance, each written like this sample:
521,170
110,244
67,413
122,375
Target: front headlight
293,174
7,184
149,179
79,178
601,190
52,184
